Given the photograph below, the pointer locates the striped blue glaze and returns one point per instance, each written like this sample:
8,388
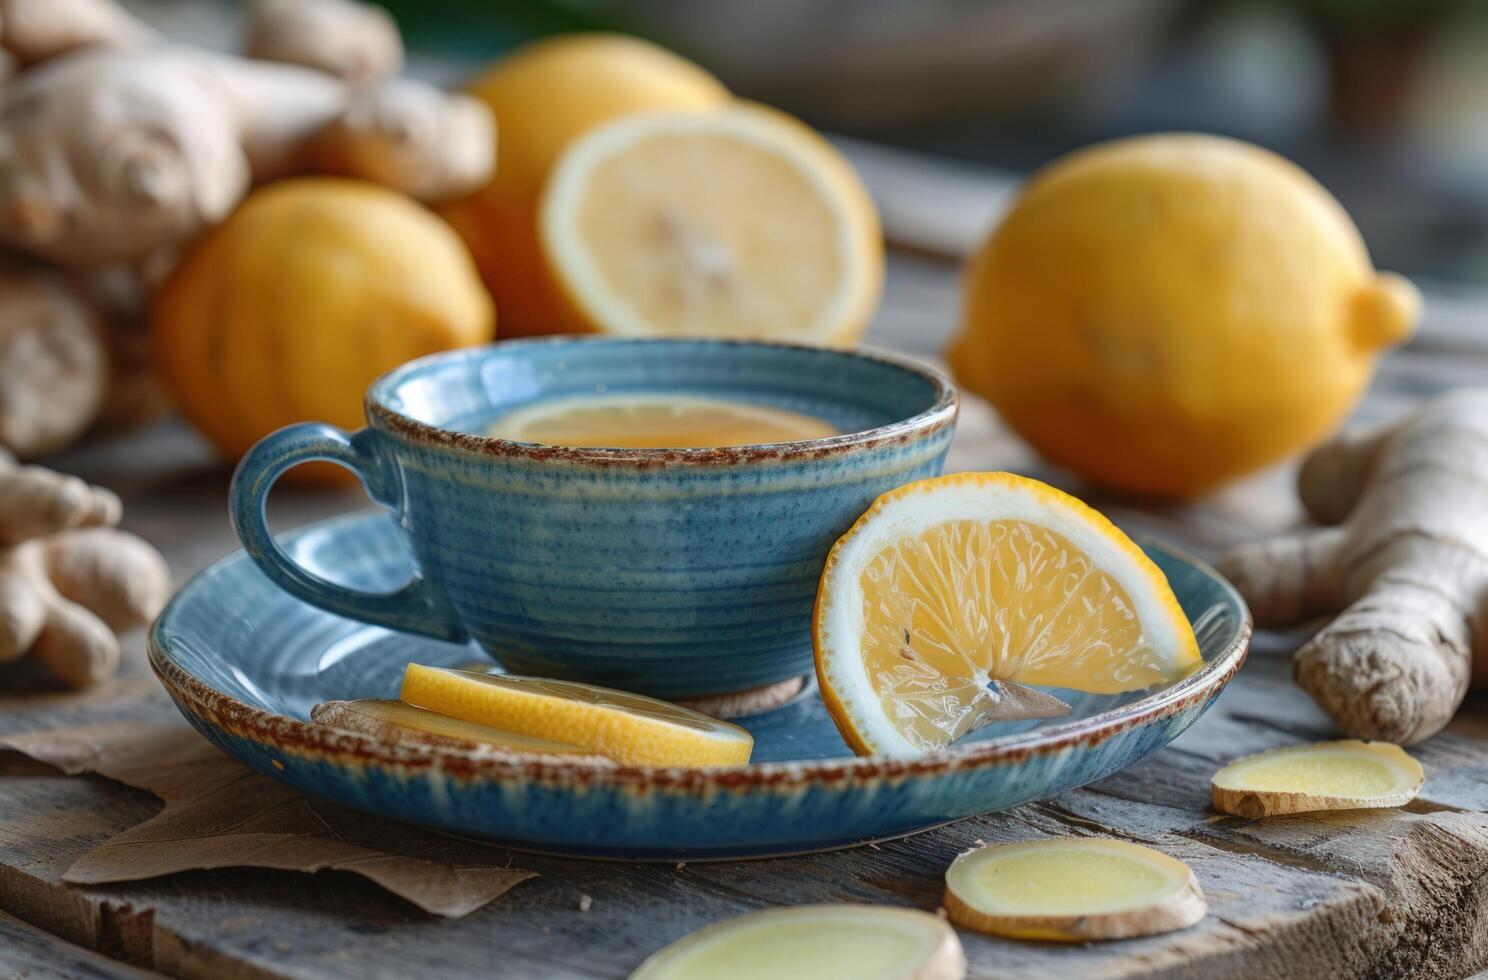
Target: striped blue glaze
670,572
245,662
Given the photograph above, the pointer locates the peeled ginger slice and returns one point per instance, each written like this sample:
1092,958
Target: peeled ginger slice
1072,890
1343,775
814,942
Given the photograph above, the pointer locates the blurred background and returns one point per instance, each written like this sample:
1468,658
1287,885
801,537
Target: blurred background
1385,101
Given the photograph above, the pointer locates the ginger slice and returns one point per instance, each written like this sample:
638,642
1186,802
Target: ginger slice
1342,775
1072,890
866,942
394,721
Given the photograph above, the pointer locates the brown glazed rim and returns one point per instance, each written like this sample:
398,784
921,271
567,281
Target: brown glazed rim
306,739
940,414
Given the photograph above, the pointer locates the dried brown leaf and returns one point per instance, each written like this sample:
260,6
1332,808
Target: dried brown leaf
219,814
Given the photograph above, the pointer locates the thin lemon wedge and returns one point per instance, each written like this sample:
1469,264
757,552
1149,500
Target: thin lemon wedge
628,728
1072,890
729,222
815,942
395,721
1342,775
950,595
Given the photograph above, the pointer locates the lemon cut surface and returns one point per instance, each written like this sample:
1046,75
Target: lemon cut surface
735,222
951,594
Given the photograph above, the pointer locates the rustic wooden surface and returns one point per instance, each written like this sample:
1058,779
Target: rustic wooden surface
29,953
1392,893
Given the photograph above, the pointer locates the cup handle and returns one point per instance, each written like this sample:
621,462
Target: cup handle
417,607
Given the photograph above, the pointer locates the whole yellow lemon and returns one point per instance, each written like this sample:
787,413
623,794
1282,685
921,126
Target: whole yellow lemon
545,95
1164,313
304,295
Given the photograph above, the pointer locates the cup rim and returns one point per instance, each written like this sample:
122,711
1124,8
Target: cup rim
941,413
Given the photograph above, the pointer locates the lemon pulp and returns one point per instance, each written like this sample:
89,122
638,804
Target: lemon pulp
656,421
693,203
964,602
737,222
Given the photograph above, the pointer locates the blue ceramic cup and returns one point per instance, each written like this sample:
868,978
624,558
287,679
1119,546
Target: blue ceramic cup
673,572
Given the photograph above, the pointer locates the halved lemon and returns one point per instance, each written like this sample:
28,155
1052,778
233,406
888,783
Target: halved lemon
949,585
730,222
625,727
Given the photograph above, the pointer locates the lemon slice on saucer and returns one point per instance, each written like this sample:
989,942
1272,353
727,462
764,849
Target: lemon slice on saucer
732,222
950,595
395,721
628,728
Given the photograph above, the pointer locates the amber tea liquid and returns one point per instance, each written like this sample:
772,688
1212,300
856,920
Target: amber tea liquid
656,421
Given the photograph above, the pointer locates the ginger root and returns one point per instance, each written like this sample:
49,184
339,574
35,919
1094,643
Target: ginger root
355,41
119,149
113,155
1405,567
68,578
385,132
35,30
54,366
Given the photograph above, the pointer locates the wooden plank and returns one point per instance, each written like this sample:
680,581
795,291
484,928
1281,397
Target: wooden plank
27,953
253,924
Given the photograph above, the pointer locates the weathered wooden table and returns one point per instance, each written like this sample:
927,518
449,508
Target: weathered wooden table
1374,893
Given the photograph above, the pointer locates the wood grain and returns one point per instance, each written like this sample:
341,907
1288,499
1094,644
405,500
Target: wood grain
28,953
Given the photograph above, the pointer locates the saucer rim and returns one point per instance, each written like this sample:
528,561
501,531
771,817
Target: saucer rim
303,738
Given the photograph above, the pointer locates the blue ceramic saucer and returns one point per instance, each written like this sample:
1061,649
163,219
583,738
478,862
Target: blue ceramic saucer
245,662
